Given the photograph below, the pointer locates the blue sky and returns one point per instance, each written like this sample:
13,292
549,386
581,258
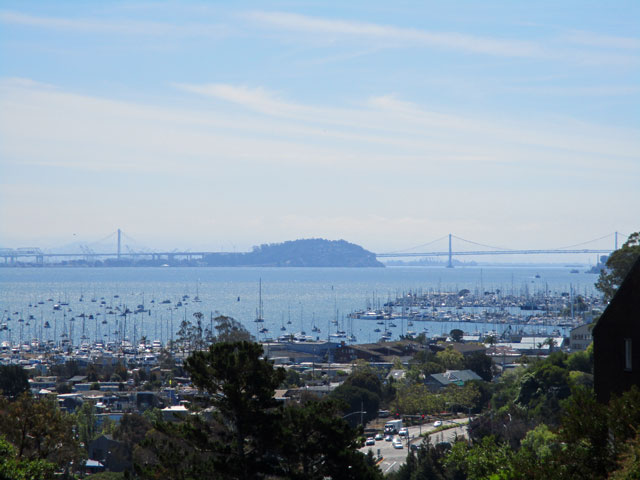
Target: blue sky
215,125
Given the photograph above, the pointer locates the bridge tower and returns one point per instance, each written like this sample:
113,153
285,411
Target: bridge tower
450,264
616,242
119,242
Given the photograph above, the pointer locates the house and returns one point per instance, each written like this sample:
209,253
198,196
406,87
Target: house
465,349
396,374
437,381
93,466
110,453
616,340
174,413
581,337
377,352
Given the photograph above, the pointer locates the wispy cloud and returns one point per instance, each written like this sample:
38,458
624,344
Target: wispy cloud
387,119
580,91
397,35
576,47
364,154
604,41
257,99
103,26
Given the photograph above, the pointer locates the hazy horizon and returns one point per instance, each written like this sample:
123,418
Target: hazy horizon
193,125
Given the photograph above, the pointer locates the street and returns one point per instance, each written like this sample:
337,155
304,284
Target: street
393,458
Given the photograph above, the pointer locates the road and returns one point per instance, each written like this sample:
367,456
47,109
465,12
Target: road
393,458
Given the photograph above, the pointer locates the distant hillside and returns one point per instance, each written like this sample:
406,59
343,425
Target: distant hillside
313,252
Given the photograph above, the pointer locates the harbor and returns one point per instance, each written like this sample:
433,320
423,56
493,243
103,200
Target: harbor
130,313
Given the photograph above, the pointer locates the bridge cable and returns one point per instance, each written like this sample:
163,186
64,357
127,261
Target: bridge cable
136,242
73,244
482,244
584,243
419,246
102,239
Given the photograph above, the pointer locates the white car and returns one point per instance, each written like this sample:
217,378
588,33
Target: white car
388,438
370,441
378,436
437,423
403,432
397,444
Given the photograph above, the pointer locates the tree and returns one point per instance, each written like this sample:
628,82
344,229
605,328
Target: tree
318,444
628,461
618,265
481,364
132,429
13,380
185,336
39,430
456,334
450,359
230,330
581,361
366,379
247,433
483,460
87,424
241,386
416,399
198,330
179,451
14,468
357,399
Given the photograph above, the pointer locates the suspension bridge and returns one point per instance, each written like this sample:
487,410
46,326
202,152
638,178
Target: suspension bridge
493,250
127,247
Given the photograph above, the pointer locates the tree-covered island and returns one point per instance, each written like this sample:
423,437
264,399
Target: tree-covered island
312,252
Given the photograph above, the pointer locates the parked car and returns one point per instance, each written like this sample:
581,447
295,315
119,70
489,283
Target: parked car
370,441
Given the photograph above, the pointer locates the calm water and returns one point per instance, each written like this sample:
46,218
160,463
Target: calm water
302,296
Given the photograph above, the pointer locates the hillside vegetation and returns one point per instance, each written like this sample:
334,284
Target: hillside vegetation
313,252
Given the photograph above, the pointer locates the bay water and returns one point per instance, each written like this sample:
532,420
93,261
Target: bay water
293,299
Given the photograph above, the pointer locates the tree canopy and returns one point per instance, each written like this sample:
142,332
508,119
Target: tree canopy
13,380
618,265
39,430
238,430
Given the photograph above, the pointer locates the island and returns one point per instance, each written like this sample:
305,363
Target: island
311,252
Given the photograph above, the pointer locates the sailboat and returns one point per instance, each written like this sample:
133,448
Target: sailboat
259,318
197,298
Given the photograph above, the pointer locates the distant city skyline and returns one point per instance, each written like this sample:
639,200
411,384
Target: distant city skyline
206,126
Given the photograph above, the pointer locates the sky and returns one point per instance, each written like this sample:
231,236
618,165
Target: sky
223,125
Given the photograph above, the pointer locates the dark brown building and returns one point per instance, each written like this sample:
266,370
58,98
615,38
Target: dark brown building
616,340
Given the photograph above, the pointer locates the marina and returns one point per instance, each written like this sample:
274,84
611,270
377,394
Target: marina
141,309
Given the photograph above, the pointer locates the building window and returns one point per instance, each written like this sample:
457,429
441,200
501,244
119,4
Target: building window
627,354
